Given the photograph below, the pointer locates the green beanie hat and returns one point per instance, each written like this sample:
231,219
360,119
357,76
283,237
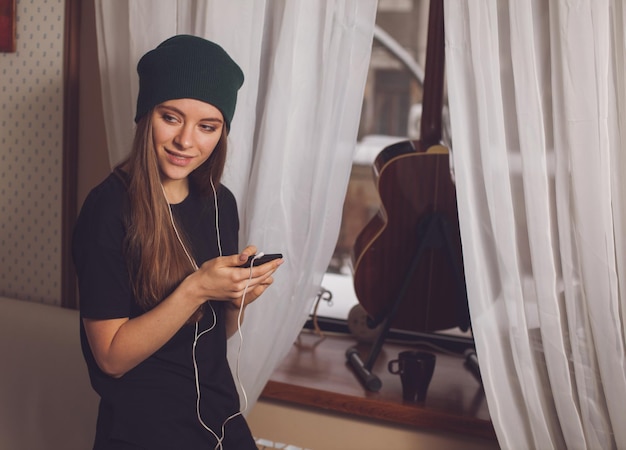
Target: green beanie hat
187,66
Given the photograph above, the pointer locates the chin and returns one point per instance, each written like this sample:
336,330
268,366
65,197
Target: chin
174,174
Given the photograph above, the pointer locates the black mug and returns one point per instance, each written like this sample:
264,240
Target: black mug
416,370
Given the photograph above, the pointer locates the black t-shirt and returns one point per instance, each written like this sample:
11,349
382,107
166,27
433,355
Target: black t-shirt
154,405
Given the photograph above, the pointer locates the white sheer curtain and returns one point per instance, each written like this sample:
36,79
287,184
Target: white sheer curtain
293,134
538,109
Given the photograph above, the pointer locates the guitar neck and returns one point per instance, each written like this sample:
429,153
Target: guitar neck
432,103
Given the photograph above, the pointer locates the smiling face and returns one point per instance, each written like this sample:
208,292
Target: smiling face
185,133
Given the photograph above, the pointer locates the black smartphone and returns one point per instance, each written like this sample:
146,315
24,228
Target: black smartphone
262,260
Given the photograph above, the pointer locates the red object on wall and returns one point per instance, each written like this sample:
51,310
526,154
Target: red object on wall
7,25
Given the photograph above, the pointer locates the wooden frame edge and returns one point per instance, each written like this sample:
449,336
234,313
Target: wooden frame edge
69,297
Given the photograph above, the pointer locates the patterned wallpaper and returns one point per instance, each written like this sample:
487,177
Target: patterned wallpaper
31,118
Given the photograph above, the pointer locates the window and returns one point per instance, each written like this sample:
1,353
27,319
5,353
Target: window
391,113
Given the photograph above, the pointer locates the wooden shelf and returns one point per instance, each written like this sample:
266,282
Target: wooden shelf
315,373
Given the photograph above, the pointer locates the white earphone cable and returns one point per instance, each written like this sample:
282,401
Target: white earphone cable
197,335
217,219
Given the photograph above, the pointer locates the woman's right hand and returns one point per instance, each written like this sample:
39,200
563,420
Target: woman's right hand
120,344
222,278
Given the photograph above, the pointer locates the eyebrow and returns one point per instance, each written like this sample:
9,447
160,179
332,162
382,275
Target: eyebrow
175,109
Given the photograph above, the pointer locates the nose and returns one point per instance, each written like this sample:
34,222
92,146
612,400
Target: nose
184,137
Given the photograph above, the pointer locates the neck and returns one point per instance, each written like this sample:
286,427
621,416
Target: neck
176,191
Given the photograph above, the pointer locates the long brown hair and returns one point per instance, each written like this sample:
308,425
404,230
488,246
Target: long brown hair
156,260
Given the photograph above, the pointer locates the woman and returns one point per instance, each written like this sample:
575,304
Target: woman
156,252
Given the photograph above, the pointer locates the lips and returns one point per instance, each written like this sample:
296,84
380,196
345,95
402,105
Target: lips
178,159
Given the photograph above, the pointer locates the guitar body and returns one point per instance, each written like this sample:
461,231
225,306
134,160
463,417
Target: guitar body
414,184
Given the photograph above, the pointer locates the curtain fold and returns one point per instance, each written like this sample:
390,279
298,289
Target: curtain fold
292,141
537,107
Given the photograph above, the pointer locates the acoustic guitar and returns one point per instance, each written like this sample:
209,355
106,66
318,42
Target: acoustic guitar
412,246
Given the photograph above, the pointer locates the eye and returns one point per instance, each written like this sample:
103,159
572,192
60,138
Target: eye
208,127
170,118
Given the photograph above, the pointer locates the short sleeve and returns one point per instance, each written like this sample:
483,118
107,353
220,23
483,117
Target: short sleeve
97,249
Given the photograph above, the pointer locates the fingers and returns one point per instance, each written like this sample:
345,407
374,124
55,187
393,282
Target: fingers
256,270
245,254
253,293
260,277
240,280
262,270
